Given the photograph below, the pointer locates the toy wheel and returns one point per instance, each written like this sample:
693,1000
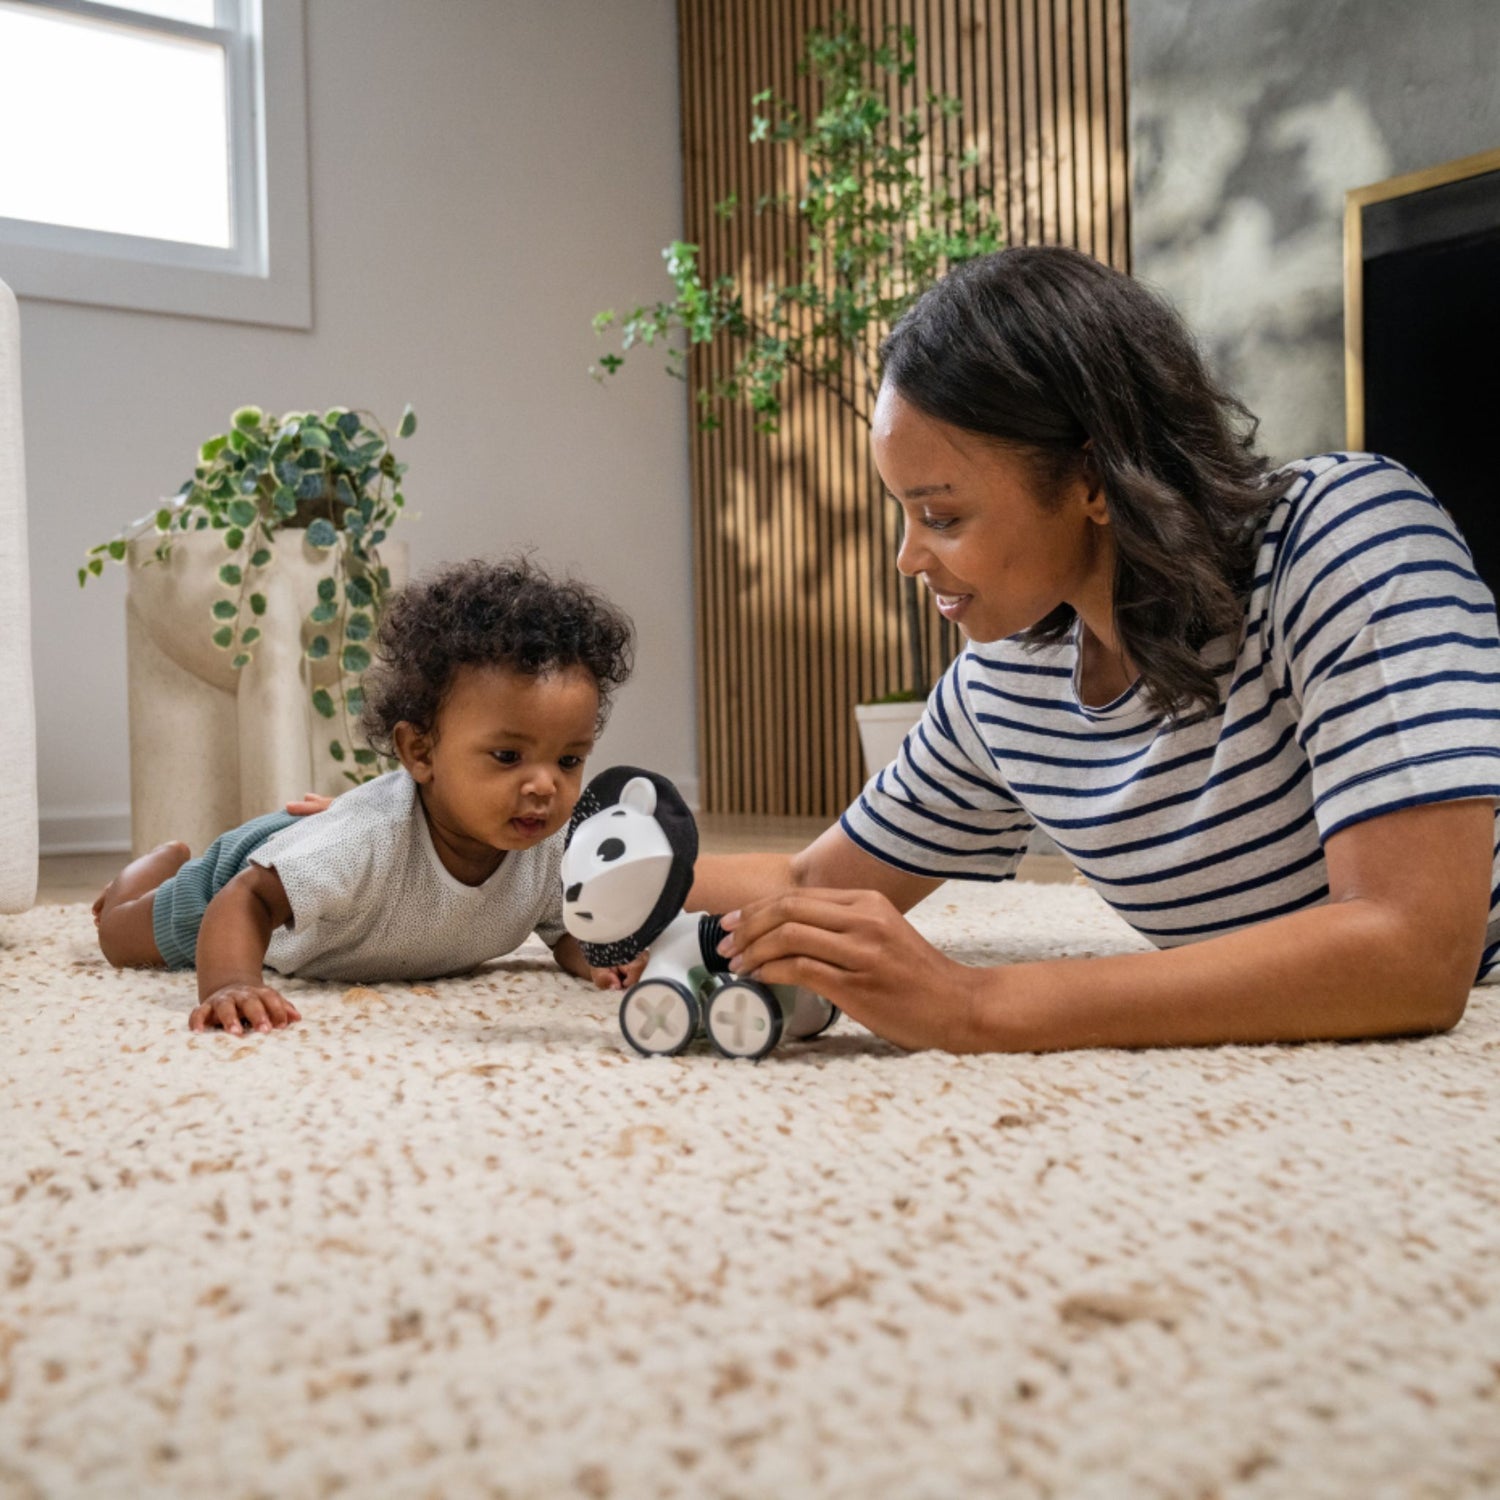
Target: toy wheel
659,1017
808,1014
743,1020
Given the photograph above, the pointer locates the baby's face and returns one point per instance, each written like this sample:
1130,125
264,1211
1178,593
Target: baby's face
507,765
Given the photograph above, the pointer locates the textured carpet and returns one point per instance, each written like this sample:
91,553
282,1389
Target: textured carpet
452,1239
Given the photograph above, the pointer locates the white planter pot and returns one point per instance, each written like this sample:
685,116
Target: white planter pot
211,746
882,727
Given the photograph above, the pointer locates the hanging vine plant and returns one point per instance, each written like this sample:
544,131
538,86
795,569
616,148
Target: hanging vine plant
332,476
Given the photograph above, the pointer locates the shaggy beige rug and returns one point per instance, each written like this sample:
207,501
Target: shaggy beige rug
454,1240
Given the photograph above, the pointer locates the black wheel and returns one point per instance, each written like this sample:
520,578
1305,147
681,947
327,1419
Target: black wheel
743,1020
659,1017
807,1014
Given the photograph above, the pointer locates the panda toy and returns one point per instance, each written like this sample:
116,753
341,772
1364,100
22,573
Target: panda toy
626,871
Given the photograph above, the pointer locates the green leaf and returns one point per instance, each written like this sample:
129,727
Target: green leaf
260,557
317,648
322,534
163,519
336,750
284,501
251,636
224,609
328,590
242,512
242,659
358,627
212,449
365,757
257,604
248,418
358,592
223,636
355,658
354,699
408,423
323,703
83,577
117,550
234,538
230,576
314,437
348,423
323,613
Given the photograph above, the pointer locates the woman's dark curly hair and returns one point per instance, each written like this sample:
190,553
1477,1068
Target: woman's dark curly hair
1046,349
482,614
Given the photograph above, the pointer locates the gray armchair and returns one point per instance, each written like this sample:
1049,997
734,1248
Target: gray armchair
18,815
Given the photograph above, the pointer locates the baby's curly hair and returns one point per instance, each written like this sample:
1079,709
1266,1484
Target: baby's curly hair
488,614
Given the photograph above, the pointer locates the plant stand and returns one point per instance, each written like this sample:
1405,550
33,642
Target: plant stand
882,727
211,747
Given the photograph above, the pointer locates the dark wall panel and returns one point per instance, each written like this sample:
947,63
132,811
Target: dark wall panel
798,600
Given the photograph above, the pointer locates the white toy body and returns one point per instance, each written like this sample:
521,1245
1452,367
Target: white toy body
619,866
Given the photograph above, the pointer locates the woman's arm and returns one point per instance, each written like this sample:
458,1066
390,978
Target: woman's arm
833,861
1393,952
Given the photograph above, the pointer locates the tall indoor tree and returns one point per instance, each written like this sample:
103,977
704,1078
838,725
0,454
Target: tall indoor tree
884,206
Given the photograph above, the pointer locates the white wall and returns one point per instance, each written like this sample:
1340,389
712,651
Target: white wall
485,175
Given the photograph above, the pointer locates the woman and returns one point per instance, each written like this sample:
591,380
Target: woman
1260,711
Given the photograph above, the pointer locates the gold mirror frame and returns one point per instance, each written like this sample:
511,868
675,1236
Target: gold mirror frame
1355,201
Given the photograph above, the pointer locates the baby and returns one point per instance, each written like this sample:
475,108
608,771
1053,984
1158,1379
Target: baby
492,684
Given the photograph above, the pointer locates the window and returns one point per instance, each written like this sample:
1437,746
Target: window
153,155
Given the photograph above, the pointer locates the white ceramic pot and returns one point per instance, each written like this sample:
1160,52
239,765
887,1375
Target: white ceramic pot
882,727
211,746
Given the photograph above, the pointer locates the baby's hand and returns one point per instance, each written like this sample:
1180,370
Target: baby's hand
621,976
259,1004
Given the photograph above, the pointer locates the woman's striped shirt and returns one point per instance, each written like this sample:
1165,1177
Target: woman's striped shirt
1366,679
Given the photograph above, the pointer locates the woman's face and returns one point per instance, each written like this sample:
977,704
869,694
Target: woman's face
996,553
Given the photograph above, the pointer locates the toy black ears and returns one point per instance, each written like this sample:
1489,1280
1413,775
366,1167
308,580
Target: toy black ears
671,812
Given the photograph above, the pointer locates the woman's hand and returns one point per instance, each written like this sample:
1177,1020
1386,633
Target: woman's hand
309,803
855,949
259,1004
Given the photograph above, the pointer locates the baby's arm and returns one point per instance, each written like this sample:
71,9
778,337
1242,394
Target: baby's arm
570,957
232,945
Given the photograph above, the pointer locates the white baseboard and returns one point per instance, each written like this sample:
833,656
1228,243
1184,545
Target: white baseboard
80,830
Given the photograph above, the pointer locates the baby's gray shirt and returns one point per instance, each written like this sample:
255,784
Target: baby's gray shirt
371,900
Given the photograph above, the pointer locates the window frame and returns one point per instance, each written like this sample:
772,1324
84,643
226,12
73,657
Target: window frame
265,275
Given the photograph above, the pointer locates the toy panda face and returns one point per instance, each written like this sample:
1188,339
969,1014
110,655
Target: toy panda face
615,868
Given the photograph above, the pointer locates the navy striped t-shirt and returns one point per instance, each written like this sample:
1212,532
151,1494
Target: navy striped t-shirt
1367,679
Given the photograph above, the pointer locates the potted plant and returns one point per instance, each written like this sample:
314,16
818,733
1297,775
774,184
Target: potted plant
880,217
253,599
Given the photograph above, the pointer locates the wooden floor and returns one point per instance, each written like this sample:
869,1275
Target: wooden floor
80,877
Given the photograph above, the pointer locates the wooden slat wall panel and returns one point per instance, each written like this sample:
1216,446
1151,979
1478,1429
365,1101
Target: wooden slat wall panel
798,599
